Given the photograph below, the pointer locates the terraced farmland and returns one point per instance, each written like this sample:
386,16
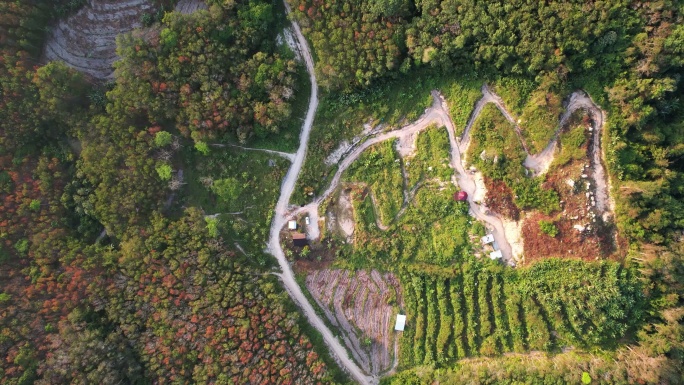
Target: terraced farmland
86,41
190,6
362,306
482,309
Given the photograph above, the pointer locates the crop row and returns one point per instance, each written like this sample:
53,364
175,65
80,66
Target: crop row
485,310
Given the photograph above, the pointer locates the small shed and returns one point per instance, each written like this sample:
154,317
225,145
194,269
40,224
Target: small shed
495,254
487,239
299,239
292,225
461,196
401,321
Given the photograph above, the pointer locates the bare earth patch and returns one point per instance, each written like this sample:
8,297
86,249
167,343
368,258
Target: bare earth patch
86,41
582,231
362,306
513,233
340,216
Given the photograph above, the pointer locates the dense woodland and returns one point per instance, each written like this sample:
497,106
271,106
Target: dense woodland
165,295
161,296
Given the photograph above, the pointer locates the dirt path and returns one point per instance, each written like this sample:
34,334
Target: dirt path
285,155
539,163
466,180
279,220
438,114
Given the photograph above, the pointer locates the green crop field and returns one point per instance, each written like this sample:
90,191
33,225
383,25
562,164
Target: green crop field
481,309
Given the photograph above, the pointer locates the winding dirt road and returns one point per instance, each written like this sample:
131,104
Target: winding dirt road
465,180
436,114
539,163
86,41
280,218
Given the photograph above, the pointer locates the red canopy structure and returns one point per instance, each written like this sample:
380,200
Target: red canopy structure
461,196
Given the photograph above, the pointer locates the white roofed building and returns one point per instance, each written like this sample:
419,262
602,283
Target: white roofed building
495,254
401,321
487,239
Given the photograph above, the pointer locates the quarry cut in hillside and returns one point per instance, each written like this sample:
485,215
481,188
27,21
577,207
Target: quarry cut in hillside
86,40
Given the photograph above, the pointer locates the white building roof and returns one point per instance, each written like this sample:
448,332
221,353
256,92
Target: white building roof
401,320
292,225
489,238
495,254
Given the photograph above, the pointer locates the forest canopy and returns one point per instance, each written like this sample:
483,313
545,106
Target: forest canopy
104,278
118,263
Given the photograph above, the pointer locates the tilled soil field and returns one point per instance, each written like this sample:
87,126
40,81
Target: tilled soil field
362,305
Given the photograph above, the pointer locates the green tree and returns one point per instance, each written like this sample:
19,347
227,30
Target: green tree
164,171
227,189
163,138
202,147
548,228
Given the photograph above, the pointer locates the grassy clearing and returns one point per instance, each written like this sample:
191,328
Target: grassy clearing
496,151
572,141
515,92
550,305
241,187
462,96
431,160
495,148
434,230
538,124
380,168
540,117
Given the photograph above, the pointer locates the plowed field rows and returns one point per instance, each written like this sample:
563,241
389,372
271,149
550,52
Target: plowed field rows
87,40
360,304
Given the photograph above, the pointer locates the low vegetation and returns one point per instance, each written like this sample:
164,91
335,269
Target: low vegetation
430,228
431,159
379,169
498,153
239,187
344,116
540,115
